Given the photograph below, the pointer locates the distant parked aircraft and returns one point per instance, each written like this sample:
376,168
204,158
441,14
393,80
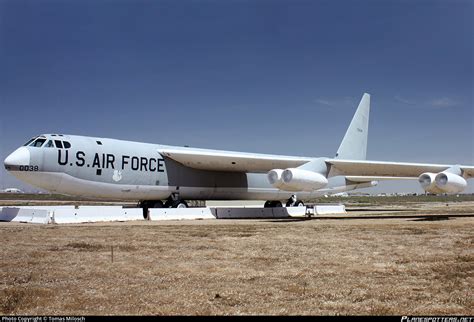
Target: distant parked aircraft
151,173
12,190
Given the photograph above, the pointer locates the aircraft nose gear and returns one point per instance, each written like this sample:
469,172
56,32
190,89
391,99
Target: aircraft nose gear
294,202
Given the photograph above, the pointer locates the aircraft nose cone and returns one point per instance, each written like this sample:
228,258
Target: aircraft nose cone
19,157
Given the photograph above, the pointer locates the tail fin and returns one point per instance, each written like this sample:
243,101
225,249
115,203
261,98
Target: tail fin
354,144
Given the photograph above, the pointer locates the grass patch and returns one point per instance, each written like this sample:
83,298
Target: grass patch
87,247
257,267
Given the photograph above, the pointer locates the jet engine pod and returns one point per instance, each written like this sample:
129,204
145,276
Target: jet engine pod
302,180
450,183
427,182
274,178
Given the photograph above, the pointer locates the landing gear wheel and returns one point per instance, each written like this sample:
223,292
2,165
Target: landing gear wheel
147,204
272,204
179,204
158,204
276,204
145,213
176,204
299,203
293,202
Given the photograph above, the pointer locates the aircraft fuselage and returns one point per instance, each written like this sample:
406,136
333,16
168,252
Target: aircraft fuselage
123,170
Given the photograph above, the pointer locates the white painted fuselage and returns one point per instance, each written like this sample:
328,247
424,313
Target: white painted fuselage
123,170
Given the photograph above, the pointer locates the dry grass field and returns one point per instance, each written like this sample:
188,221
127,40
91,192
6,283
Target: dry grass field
232,267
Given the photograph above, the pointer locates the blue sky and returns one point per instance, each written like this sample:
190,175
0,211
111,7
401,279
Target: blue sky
280,77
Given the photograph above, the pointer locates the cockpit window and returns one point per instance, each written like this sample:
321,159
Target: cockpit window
38,142
50,144
59,144
67,145
29,141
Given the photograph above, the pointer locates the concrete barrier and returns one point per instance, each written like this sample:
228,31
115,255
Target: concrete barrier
329,210
256,213
69,214
233,213
33,216
181,213
85,214
293,211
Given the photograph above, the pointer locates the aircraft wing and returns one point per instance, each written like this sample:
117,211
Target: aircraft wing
381,169
360,171
361,179
231,161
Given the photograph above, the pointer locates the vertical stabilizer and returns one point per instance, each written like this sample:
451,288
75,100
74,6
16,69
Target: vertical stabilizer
354,144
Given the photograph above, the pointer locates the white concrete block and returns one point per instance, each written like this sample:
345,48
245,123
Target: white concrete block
279,212
289,212
229,213
16,214
329,209
97,214
181,213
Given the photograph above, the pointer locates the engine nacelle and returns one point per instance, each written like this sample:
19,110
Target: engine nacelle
302,180
450,183
274,177
428,183
443,182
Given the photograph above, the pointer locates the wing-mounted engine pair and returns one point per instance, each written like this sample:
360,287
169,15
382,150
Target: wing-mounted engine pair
448,181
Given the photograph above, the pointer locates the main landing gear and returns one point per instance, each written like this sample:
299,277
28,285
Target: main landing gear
273,204
292,202
172,202
176,204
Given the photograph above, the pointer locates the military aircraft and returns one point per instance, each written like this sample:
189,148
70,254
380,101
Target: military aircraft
151,173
